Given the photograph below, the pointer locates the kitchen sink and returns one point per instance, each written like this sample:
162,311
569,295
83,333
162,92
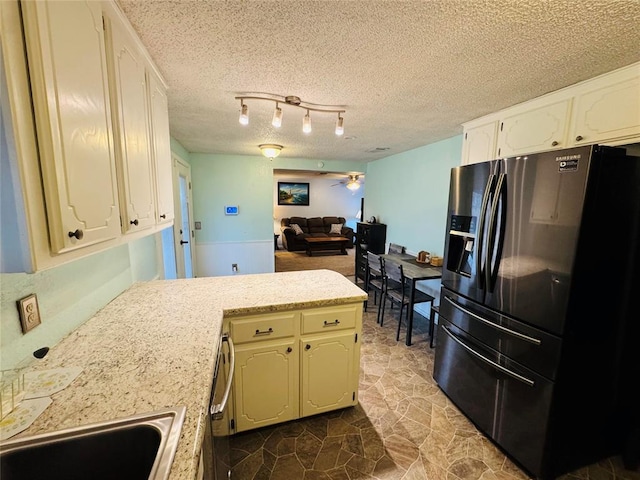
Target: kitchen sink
132,448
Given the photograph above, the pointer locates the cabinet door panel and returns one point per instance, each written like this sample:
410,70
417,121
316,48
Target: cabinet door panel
328,373
479,143
608,113
68,68
543,128
130,107
266,384
159,117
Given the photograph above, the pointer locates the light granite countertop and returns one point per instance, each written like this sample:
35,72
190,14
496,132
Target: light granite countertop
154,346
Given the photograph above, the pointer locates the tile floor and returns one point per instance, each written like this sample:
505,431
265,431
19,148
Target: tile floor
403,428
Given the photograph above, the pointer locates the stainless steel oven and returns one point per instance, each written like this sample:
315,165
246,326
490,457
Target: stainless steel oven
215,449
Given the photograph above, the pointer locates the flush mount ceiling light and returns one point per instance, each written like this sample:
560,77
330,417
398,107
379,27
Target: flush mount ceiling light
294,102
270,150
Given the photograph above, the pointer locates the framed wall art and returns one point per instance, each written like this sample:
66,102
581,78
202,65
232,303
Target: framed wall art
290,193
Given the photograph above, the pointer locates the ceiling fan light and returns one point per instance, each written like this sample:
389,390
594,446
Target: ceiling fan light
270,150
244,115
340,126
277,117
353,185
306,123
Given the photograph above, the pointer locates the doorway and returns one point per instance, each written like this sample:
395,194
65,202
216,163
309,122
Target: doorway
183,230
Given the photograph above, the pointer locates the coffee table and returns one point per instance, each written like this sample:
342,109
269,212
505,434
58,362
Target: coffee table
317,244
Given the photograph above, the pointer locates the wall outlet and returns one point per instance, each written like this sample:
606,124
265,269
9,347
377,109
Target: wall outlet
234,267
29,312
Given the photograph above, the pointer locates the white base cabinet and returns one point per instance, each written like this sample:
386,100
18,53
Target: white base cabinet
294,364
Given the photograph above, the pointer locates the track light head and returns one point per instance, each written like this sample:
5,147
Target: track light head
340,126
306,123
244,114
277,117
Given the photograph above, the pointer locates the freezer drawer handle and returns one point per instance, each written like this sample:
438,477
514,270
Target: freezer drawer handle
495,365
217,410
521,336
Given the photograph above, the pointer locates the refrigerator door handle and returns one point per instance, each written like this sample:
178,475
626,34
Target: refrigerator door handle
484,359
499,203
519,335
480,232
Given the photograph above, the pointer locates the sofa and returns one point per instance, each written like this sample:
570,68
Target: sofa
293,240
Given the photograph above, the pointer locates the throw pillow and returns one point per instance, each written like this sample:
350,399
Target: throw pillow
296,228
336,228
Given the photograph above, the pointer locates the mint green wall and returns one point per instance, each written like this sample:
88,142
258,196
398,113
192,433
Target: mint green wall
409,192
177,148
69,294
246,181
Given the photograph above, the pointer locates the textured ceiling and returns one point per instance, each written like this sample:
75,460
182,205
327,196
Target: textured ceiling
407,72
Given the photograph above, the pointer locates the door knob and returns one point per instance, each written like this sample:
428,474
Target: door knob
182,242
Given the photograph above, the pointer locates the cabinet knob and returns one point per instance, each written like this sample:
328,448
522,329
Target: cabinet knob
134,222
579,137
289,350
307,347
77,234
163,216
554,144
182,242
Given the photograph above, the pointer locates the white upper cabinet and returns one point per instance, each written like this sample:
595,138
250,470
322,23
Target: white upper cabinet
98,163
603,110
535,130
69,83
129,102
609,110
479,142
161,148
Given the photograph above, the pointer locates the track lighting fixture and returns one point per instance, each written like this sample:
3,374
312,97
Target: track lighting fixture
270,150
293,101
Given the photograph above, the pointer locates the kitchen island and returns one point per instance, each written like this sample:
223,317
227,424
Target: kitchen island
154,346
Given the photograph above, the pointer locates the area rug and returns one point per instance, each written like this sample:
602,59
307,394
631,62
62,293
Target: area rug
293,261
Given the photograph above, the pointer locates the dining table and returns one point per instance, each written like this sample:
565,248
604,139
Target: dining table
414,271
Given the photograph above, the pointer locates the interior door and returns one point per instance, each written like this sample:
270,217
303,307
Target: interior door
183,230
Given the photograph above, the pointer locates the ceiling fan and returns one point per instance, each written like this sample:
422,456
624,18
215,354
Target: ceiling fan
351,183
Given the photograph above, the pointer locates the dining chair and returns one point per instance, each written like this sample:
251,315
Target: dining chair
399,291
395,248
374,280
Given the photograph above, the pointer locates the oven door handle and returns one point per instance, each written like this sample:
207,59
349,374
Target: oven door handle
519,335
495,365
217,409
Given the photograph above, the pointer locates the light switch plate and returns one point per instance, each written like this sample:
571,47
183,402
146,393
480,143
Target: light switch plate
29,312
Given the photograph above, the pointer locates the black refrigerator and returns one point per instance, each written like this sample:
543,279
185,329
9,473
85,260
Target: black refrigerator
539,320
